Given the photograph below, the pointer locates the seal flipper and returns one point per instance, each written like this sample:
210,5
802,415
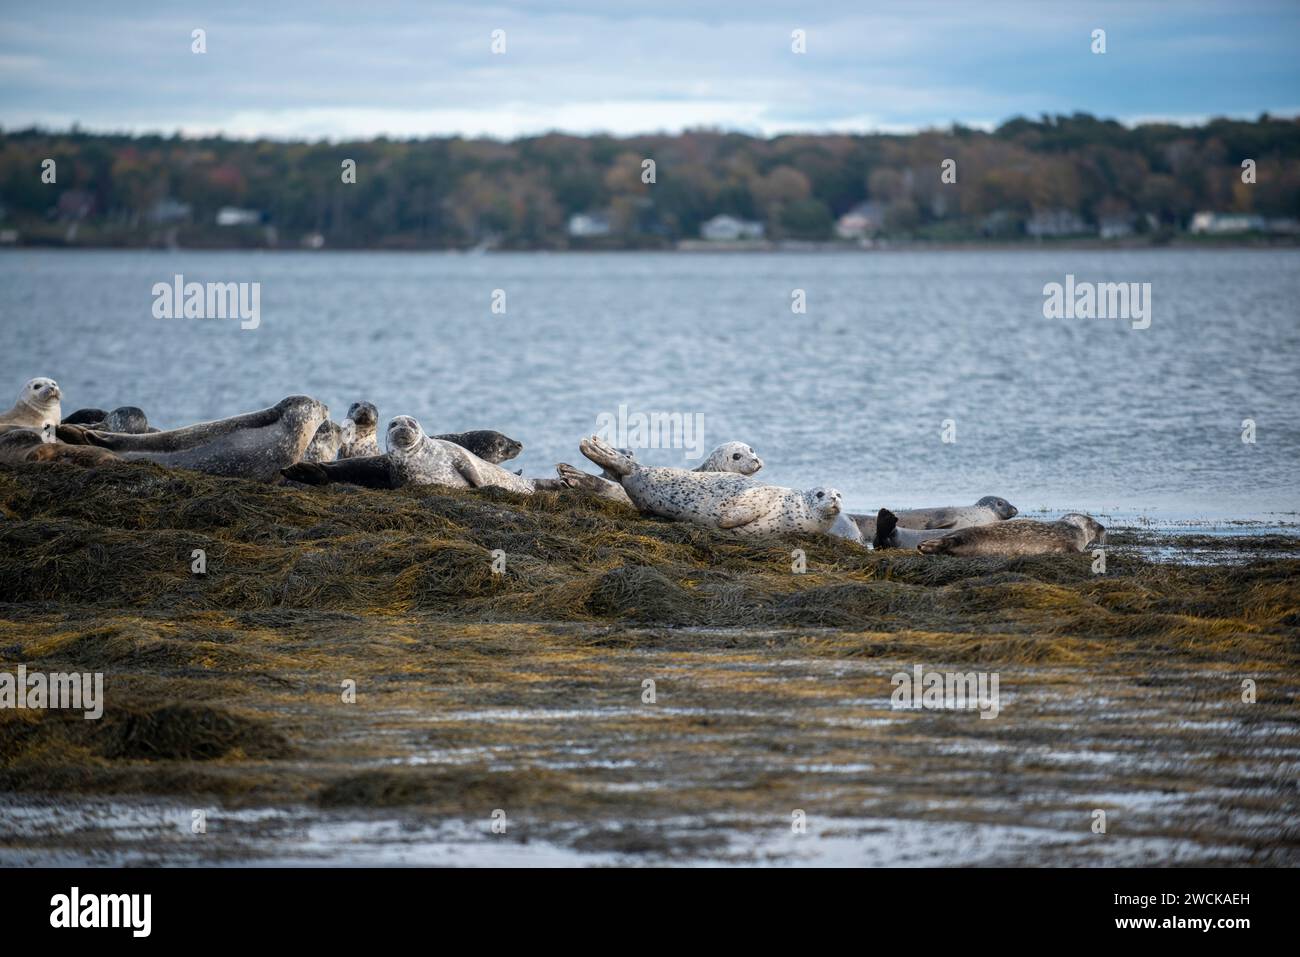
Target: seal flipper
576,478
606,456
886,522
309,473
369,471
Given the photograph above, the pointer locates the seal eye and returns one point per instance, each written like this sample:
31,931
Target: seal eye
821,494
735,455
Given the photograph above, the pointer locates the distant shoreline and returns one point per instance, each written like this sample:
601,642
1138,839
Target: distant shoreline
694,247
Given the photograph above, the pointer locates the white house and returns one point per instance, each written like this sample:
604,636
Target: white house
234,216
863,220
723,228
1222,223
589,225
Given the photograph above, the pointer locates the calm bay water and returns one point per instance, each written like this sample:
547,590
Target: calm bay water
1056,414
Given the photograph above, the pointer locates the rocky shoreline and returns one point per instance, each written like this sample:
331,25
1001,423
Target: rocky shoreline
353,662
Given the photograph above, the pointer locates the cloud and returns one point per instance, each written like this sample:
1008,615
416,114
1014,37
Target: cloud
339,70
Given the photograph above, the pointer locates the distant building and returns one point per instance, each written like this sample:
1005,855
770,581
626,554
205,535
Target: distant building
863,220
589,225
313,241
723,229
234,216
168,210
1051,223
1219,224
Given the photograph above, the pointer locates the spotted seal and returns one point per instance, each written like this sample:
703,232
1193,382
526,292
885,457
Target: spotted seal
717,499
38,402
254,446
365,420
735,457
1073,532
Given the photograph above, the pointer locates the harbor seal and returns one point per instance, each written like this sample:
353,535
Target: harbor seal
254,446
732,457
38,402
736,457
127,419
414,458
887,533
718,499
986,511
20,446
365,420
328,440
1073,532
486,444
420,459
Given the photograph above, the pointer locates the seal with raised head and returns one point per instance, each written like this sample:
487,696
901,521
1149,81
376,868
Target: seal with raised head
718,499
365,421
735,457
986,511
38,402
732,457
486,444
1072,532
420,459
254,446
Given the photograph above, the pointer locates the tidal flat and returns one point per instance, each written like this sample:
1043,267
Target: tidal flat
353,681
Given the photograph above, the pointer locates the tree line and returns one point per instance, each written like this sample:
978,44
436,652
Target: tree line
451,192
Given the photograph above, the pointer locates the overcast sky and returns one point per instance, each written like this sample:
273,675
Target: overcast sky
328,69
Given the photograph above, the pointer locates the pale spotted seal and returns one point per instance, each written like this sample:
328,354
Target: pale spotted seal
717,499
732,457
736,457
252,446
1073,532
38,402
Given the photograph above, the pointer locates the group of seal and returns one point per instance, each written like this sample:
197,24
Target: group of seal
296,440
